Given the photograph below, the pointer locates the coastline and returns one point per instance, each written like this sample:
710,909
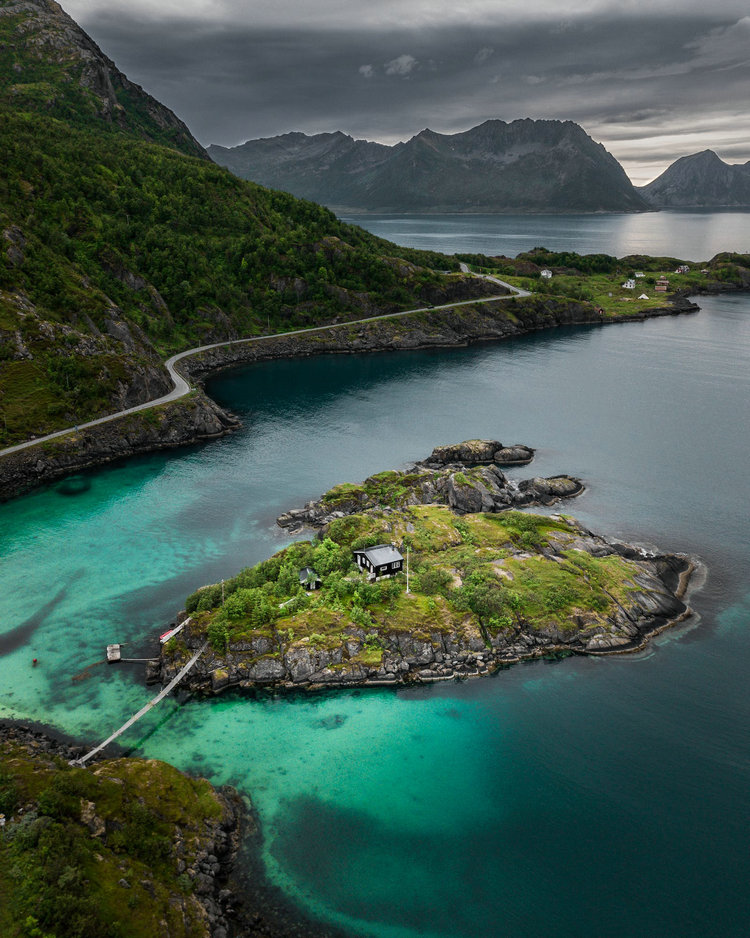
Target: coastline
228,877
196,418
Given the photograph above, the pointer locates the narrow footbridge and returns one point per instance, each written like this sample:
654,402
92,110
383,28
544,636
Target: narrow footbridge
149,706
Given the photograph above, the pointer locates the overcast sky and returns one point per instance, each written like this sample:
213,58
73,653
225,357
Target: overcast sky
650,79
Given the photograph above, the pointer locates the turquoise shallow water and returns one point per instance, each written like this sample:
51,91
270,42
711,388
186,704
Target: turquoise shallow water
580,797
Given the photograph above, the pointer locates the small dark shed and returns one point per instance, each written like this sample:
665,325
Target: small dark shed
381,560
309,579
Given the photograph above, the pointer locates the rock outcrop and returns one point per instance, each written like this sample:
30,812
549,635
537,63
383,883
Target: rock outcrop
464,476
479,452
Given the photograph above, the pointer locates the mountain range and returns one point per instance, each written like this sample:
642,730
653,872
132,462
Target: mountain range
702,180
524,166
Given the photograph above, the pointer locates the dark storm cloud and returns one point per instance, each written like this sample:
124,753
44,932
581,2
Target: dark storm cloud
650,88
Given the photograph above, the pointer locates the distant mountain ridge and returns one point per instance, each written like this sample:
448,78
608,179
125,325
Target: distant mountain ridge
544,166
702,180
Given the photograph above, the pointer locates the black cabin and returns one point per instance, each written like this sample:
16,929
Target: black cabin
379,561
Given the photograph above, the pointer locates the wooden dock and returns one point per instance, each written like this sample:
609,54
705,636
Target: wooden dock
149,706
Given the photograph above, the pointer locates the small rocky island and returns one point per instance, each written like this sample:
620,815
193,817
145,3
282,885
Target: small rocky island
466,476
407,581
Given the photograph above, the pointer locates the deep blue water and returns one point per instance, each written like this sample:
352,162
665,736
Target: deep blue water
581,797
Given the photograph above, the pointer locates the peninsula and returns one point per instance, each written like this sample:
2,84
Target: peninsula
423,575
131,846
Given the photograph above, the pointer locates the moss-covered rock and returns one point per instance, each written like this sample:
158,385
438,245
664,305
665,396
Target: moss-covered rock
126,847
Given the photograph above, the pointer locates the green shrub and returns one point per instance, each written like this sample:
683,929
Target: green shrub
432,580
218,635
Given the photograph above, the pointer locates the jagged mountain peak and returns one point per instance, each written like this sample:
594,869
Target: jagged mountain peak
524,166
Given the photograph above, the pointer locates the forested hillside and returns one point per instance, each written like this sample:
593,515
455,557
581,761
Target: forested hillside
120,241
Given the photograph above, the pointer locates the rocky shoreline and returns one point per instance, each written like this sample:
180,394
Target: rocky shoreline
227,881
197,417
180,423
264,663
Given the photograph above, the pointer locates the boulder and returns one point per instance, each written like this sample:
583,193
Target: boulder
266,671
517,455
470,453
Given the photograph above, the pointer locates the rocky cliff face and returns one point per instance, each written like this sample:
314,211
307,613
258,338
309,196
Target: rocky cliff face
702,180
524,166
90,82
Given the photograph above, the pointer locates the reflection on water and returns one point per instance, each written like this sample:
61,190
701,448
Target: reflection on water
689,235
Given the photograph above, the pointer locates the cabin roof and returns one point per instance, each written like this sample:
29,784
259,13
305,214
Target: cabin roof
380,554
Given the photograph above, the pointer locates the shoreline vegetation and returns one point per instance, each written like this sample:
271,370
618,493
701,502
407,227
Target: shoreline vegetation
196,417
483,587
128,846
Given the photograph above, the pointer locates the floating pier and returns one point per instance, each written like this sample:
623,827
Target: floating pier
149,706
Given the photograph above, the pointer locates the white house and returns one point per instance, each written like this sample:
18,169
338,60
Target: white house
643,297
629,285
546,274
638,274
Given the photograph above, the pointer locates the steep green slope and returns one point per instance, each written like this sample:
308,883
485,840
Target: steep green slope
97,853
120,241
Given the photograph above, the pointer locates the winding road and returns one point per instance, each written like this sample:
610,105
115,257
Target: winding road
182,387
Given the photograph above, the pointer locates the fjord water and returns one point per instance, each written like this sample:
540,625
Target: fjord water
691,235
578,797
